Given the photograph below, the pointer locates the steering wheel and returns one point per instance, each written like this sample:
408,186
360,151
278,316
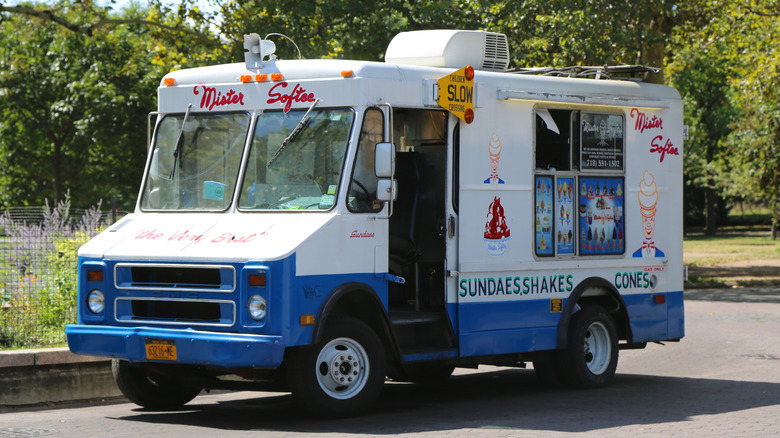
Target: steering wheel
366,193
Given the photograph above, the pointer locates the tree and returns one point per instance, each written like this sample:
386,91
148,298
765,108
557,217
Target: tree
726,68
73,105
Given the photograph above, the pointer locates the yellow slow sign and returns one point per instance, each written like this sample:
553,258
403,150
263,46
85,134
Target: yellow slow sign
456,93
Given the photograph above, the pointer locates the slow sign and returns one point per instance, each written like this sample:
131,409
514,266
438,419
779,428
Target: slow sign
456,93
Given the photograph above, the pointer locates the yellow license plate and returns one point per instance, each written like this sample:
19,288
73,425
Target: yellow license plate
160,349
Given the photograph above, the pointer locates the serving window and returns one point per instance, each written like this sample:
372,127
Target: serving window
579,183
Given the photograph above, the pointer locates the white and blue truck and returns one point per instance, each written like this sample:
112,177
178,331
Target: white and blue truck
322,225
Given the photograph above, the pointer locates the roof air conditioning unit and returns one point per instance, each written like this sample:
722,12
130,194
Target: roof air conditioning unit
450,49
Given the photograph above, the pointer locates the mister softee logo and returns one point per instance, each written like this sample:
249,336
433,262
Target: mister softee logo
298,94
212,97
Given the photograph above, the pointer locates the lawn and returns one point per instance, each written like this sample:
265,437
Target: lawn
704,250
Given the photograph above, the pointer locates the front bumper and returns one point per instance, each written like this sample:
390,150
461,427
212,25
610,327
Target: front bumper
225,350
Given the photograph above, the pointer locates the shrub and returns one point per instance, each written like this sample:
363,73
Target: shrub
39,273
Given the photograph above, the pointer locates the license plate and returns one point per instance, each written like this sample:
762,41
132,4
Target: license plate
160,349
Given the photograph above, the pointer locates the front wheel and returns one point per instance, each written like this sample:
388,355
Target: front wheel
343,374
150,390
591,358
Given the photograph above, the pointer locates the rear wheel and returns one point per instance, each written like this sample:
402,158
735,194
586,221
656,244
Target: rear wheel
343,374
591,358
148,389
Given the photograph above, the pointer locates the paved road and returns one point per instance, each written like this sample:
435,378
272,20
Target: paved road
723,379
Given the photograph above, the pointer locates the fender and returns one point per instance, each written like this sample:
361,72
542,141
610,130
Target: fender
370,305
571,307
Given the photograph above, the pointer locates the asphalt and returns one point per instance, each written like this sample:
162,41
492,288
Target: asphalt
55,375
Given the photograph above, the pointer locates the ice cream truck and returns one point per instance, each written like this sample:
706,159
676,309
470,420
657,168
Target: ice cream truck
320,226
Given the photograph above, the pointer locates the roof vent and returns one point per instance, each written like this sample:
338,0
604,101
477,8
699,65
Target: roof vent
450,49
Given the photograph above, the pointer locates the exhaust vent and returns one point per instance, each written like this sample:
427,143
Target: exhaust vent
482,50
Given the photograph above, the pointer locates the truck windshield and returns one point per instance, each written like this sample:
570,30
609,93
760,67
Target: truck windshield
305,173
200,172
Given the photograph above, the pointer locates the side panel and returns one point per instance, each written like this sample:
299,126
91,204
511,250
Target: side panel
510,295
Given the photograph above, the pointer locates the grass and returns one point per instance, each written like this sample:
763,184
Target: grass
704,250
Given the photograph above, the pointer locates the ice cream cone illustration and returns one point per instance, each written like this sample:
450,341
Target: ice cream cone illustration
494,150
648,200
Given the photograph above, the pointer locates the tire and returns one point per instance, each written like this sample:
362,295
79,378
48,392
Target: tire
424,372
150,390
591,358
343,374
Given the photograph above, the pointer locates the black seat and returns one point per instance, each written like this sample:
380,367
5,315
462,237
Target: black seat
402,223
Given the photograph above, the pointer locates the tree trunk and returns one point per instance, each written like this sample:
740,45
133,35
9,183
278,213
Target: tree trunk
710,212
655,52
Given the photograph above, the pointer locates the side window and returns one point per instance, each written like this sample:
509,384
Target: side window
579,183
362,189
553,139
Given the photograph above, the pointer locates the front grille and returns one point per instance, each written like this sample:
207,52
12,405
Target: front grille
175,294
175,311
214,278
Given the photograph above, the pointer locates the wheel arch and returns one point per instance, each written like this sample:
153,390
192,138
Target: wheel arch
595,290
359,301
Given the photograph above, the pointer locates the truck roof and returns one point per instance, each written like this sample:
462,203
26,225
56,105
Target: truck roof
320,69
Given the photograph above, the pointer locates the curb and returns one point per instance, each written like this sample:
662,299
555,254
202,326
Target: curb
30,377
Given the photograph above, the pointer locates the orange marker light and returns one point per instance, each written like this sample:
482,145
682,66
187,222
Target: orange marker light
94,275
276,76
262,77
169,81
346,73
469,116
246,78
307,319
257,280
469,72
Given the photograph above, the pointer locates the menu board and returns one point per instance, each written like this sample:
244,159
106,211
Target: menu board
544,215
601,228
601,137
565,215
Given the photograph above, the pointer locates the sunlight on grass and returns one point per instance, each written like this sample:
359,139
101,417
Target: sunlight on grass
703,250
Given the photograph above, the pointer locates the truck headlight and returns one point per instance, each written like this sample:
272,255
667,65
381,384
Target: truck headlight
257,307
96,301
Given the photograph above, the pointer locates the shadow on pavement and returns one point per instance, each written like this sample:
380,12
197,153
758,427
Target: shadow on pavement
506,399
736,294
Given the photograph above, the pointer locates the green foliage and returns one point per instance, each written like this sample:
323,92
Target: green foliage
41,261
73,106
74,92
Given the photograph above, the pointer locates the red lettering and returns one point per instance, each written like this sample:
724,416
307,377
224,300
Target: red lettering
667,148
184,236
148,235
232,238
644,122
212,97
298,94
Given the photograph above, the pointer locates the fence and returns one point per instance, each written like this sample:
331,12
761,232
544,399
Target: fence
38,275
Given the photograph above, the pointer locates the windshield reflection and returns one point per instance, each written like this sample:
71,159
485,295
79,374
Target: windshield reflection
305,174
200,173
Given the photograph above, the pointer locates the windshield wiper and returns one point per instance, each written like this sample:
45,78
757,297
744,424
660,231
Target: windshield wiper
177,149
297,130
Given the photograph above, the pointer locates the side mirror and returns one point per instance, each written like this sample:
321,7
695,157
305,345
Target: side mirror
386,190
384,160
